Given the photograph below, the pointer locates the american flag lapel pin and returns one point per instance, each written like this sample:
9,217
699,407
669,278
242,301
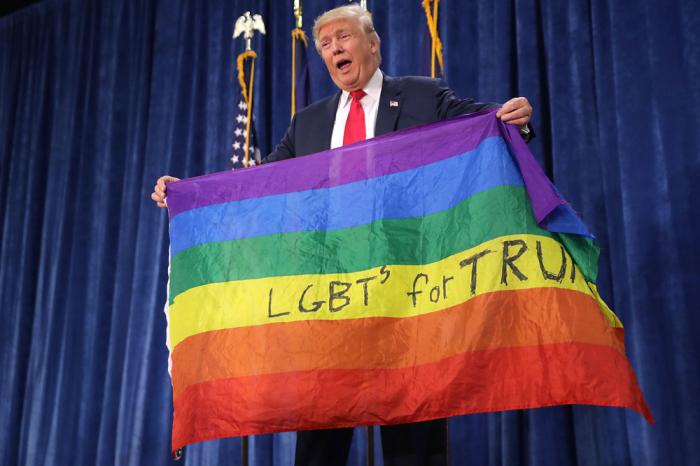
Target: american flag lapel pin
393,103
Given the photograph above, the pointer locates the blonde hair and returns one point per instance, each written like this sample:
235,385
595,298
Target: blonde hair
353,12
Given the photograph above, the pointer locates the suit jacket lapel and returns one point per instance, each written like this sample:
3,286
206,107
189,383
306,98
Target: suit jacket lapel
389,107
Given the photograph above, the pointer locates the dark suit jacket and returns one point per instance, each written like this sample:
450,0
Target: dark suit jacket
420,100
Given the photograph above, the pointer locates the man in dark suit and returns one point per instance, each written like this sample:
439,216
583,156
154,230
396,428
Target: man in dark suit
404,102
369,104
350,48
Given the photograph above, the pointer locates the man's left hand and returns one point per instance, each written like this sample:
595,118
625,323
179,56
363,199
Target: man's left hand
517,111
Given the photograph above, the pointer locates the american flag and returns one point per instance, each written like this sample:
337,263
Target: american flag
239,134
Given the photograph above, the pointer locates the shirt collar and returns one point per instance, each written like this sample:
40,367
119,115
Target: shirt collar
373,88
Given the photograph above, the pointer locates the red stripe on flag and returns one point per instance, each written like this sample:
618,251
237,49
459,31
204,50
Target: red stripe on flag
482,381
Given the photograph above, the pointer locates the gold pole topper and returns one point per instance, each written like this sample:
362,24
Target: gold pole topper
298,13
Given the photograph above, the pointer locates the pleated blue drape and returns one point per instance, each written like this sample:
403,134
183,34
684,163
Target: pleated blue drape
100,97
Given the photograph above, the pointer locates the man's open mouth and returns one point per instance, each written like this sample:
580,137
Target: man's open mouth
343,65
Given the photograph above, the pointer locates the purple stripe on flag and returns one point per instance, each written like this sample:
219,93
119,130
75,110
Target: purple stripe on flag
392,153
399,151
544,197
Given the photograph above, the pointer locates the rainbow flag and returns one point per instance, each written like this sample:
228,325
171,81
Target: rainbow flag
423,274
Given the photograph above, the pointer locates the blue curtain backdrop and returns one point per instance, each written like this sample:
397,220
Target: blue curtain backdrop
100,97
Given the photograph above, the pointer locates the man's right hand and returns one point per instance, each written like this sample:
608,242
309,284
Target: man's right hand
159,190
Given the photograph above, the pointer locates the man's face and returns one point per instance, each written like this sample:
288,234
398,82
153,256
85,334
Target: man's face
349,54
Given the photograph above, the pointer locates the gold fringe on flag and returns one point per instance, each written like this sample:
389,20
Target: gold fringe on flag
297,34
247,91
436,49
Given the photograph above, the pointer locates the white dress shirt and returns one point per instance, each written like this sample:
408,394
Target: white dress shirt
370,104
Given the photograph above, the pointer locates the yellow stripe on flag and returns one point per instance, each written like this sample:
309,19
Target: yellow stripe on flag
513,262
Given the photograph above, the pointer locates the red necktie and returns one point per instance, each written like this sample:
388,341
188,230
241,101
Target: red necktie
355,126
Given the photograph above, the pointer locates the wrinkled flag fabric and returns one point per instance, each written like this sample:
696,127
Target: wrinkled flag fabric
423,274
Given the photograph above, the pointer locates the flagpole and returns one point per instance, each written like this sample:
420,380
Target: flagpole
250,112
435,19
297,34
246,25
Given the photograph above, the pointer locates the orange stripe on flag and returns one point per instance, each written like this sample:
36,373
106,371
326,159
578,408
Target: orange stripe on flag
493,320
